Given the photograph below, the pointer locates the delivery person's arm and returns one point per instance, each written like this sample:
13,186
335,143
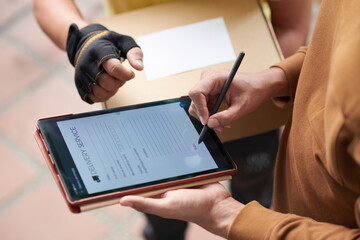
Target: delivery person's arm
291,21
93,50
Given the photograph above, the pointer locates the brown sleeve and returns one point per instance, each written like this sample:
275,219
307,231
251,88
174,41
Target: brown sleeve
256,222
292,67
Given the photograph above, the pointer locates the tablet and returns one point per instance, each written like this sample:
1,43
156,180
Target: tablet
98,157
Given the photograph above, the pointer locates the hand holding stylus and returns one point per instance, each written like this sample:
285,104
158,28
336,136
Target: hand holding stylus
223,92
245,94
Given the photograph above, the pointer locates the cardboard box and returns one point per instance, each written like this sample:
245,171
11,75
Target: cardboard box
249,31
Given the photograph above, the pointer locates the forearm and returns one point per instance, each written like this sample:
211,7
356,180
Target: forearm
289,40
55,17
291,21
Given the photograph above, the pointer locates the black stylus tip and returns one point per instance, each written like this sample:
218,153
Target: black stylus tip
202,133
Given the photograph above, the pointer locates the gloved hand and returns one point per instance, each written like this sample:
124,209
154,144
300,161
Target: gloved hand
96,52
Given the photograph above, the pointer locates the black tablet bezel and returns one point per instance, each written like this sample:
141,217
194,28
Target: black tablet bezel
59,152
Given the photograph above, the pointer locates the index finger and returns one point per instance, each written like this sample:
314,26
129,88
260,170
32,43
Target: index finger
200,95
198,107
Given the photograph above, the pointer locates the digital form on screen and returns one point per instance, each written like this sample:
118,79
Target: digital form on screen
135,146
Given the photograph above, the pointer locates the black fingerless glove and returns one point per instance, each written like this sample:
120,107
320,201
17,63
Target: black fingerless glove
88,48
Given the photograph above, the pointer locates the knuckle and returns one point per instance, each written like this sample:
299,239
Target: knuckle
112,87
136,51
192,93
208,73
111,93
228,120
100,96
170,200
112,68
192,111
204,73
106,84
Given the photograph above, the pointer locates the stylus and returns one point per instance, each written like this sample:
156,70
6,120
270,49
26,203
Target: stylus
222,93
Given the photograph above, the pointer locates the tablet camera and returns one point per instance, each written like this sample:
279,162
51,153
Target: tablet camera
183,105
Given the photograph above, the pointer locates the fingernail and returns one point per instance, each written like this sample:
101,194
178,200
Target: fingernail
127,204
139,63
213,123
202,121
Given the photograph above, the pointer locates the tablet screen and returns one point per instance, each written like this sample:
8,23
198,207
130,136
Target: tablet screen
128,147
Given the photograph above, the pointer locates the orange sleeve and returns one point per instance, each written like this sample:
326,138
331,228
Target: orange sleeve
292,67
256,222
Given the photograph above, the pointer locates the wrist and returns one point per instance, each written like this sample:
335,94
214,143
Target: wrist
77,35
224,213
82,23
274,82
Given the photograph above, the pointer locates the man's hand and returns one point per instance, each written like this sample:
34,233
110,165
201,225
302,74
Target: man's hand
210,206
96,53
245,94
115,75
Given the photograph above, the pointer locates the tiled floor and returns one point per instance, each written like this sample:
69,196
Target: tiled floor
36,81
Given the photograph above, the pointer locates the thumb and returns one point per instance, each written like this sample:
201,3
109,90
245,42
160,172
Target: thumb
144,204
135,58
